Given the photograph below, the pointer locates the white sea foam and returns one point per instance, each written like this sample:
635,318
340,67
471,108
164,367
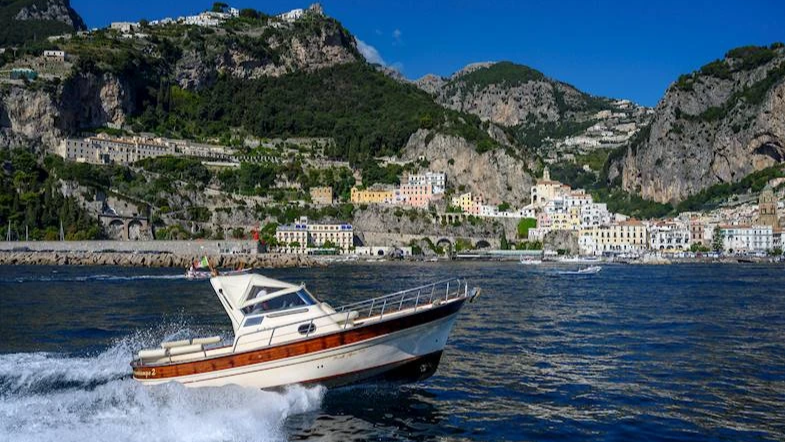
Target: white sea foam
51,397
97,277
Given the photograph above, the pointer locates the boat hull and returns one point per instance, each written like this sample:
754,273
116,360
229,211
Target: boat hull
410,353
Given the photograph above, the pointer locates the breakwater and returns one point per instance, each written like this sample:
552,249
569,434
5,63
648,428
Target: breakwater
222,254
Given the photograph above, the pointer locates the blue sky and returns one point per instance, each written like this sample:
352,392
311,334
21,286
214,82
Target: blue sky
623,49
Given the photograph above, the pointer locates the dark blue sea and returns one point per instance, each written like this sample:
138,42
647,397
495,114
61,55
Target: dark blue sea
668,353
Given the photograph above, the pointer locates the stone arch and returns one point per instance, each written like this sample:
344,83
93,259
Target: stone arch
444,242
116,229
135,230
380,252
482,244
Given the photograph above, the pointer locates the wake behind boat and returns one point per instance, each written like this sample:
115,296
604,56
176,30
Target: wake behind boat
284,335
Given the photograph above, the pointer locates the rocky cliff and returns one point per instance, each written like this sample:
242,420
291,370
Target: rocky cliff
115,77
497,175
43,117
52,10
715,125
22,21
540,111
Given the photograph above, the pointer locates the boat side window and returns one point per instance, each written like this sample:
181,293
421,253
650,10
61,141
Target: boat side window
289,300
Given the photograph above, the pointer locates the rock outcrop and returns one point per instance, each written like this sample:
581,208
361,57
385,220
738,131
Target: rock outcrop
716,125
52,10
44,118
542,112
497,175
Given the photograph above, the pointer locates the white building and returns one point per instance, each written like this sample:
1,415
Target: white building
747,239
669,236
292,15
124,26
438,180
595,215
55,55
301,236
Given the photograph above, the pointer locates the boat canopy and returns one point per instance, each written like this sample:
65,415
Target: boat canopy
252,294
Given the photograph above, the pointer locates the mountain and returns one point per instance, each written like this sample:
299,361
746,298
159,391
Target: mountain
25,20
539,111
253,75
713,126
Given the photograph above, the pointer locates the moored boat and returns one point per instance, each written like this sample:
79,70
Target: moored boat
284,335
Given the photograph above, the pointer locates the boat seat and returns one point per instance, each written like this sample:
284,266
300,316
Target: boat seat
207,341
172,344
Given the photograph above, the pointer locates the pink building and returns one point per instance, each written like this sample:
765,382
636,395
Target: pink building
416,195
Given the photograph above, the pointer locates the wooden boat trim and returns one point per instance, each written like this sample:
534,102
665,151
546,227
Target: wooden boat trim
297,348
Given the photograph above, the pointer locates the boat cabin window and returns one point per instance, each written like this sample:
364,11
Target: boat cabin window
290,300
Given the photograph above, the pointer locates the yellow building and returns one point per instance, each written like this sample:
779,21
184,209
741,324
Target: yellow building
372,196
546,190
468,203
626,236
322,195
569,220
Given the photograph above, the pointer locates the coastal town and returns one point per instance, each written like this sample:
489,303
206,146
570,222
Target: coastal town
752,228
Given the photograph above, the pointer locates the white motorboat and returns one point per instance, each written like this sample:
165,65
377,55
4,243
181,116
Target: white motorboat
581,260
284,335
529,261
197,274
591,270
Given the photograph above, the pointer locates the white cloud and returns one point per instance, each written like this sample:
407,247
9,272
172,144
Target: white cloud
397,35
370,53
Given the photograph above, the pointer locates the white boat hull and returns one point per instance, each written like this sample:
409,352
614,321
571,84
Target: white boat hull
417,349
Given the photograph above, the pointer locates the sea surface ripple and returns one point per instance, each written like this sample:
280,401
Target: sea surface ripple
669,353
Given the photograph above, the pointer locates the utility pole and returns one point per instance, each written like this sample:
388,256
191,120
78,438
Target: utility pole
8,235
62,234
27,236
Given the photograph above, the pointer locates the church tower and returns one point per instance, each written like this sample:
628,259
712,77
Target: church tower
767,208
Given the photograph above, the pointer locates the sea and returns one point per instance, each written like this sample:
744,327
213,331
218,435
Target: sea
655,353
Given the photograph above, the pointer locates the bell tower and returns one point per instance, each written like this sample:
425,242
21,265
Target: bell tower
767,208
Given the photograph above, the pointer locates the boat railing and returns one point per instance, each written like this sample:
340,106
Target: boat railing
377,308
408,299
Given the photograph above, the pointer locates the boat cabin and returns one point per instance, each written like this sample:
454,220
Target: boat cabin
264,312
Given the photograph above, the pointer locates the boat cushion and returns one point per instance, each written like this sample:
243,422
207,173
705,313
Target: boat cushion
207,341
172,344
155,353
185,349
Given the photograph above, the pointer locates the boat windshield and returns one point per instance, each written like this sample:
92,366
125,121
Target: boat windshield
283,302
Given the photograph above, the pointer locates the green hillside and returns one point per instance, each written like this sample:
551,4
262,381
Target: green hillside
16,32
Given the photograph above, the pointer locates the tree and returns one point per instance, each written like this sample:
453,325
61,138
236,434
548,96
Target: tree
503,242
249,13
504,206
718,241
524,225
219,7
144,23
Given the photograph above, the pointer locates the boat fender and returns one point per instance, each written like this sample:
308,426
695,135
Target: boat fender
475,293
437,302
172,344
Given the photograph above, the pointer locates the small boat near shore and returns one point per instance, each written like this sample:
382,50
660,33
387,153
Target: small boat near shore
284,335
591,270
196,274
529,261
